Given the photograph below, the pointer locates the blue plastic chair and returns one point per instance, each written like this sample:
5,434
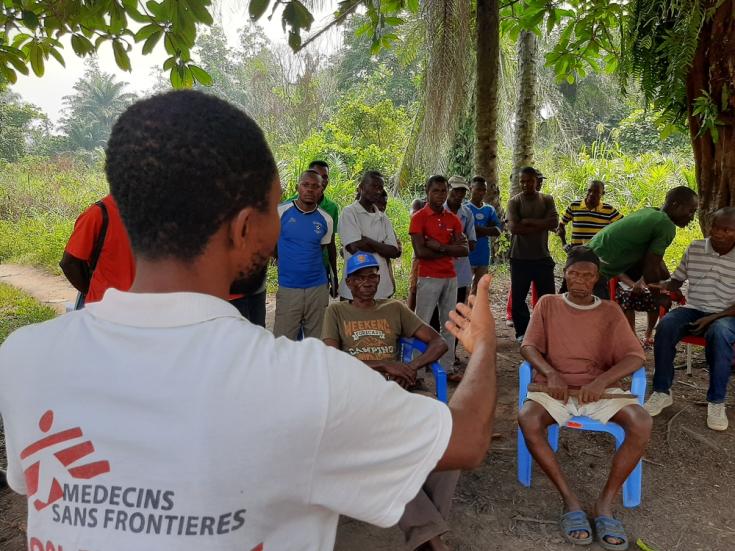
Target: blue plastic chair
632,485
408,346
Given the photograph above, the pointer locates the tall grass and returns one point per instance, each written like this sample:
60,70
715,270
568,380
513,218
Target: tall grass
40,199
18,309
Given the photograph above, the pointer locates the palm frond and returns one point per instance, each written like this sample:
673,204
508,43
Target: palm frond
446,80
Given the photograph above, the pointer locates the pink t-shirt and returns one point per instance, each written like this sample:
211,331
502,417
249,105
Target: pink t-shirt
580,342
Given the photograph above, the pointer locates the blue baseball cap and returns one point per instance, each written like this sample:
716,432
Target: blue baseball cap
360,260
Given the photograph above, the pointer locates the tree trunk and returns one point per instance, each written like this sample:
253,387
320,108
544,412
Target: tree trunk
408,163
525,116
486,97
713,70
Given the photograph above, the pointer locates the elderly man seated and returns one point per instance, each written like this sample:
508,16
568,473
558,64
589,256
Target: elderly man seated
580,347
709,266
369,329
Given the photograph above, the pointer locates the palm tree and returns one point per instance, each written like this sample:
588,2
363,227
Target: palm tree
525,116
93,108
446,51
487,75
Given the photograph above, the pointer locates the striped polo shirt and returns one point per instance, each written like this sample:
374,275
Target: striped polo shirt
586,222
711,277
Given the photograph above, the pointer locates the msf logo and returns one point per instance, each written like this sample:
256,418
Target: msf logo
69,450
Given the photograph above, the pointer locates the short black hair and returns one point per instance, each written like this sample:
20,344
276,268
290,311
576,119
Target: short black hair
580,253
310,172
318,162
597,183
680,195
529,170
180,165
436,178
478,180
369,176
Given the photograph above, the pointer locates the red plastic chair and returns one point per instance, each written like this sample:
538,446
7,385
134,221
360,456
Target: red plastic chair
691,340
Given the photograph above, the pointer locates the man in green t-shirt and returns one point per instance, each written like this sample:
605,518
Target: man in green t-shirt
332,209
636,244
369,330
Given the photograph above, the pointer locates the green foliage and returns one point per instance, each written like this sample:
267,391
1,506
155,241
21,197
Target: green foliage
632,182
587,38
462,154
366,132
709,115
355,65
652,42
31,33
18,309
639,131
288,96
39,201
90,112
16,119
662,37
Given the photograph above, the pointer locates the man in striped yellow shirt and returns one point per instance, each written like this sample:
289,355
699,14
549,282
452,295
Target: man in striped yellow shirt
588,216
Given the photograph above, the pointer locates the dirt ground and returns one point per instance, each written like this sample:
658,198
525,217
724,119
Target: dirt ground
688,478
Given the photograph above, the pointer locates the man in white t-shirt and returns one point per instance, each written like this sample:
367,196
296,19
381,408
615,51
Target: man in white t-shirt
364,227
160,419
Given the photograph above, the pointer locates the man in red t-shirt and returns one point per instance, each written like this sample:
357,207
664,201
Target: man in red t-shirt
115,266
437,238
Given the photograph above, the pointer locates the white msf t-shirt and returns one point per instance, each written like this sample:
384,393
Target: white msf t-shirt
169,422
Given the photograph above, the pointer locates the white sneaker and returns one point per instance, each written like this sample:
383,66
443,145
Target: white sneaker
509,323
716,416
657,402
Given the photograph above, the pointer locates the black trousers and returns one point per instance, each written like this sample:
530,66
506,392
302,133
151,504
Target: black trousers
252,308
522,274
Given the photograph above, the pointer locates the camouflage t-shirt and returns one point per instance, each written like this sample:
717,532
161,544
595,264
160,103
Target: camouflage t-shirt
370,333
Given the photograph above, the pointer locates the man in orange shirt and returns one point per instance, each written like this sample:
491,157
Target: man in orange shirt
98,254
577,341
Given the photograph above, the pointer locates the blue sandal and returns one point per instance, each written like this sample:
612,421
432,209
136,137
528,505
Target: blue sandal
575,521
607,527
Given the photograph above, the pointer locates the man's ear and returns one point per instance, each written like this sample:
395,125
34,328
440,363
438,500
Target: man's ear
241,228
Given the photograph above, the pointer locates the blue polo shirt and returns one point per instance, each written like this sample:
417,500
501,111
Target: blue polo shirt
485,217
300,246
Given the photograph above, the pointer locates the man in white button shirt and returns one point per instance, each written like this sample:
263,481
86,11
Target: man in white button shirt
364,227
160,419
709,266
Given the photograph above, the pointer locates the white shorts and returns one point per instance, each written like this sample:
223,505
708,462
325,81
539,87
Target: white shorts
601,410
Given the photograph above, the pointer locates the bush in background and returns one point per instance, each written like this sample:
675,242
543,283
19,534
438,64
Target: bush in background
41,198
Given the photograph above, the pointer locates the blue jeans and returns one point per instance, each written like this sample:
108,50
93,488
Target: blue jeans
718,351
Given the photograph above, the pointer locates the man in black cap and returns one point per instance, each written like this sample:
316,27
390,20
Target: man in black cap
578,341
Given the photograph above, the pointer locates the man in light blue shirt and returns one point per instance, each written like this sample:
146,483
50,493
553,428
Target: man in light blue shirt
487,224
303,290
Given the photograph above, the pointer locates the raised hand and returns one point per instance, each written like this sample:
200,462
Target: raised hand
474,324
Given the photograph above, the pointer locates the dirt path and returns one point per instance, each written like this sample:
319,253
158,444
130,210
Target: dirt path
687,481
52,290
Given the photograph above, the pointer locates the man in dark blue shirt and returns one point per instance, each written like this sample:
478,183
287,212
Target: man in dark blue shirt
303,291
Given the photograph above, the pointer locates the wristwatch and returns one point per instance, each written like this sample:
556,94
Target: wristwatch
442,249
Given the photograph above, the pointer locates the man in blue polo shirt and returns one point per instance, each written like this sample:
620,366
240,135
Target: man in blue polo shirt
303,290
487,225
